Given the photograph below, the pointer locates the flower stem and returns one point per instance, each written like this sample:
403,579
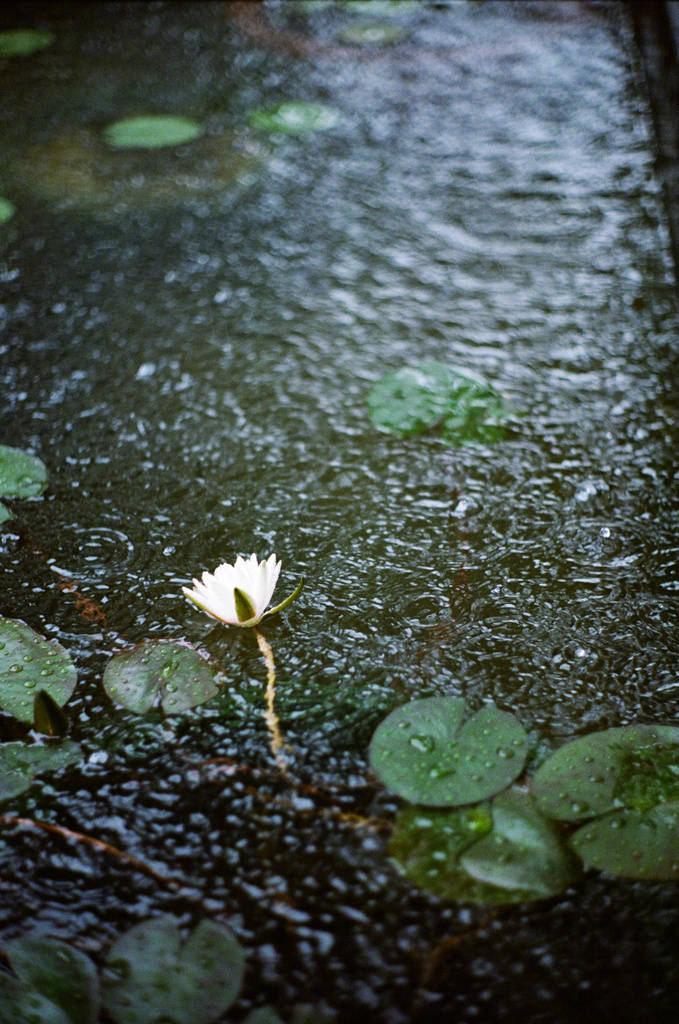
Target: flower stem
270,716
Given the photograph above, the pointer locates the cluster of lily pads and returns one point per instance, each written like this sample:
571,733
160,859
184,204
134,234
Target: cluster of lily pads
609,800
150,974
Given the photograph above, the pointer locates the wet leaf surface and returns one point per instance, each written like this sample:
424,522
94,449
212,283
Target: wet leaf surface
21,762
295,118
151,976
160,672
22,475
425,752
30,663
59,973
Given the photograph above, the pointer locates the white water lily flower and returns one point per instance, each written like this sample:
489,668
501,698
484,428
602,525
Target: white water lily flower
239,594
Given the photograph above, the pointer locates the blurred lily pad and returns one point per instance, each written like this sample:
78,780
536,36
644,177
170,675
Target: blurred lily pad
632,843
165,673
434,397
499,852
6,210
295,118
21,42
77,169
427,753
58,973
635,766
29,663
152,132
21,762
151,976
22,1004
22,475
5,513
372,34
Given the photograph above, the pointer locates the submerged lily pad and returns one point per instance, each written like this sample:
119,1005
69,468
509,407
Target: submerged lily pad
59,973
152,132
636,766
499,852
632,843
21,762
6,210
432,396
429,755
22,475
160,672
21,42
153,977
29,663
295,118
372,35
78,170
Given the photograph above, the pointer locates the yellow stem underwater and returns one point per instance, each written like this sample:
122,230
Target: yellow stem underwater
270,716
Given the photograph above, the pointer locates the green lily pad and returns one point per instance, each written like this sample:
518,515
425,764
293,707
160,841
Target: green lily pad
6,210
424,752
5,513
372,35
160,672
295,118
152,132
29,663
59,973
433,397
499,852
21,475
151,976
523,852
21,762
636,766
21,1004
632,843
21,42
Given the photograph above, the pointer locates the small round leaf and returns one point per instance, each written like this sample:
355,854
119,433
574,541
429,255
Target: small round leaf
152,977
21,42
21,762
632,843
160,672
29,663
425,753
21,1004
295,118
151,132
21,475
6,210
62,974
372,35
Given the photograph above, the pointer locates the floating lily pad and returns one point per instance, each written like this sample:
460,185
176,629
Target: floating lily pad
372,35
153,977
22,1004
152,132
425,752
29,663
78,170
499,852
64,976
632,843
22,475
434,397
162,673
295,118
5,513
21,42
635,767
6,210
21,762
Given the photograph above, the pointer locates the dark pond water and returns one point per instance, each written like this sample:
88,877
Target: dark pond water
188,338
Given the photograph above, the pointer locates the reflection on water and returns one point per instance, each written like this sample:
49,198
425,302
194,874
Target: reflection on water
194,374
